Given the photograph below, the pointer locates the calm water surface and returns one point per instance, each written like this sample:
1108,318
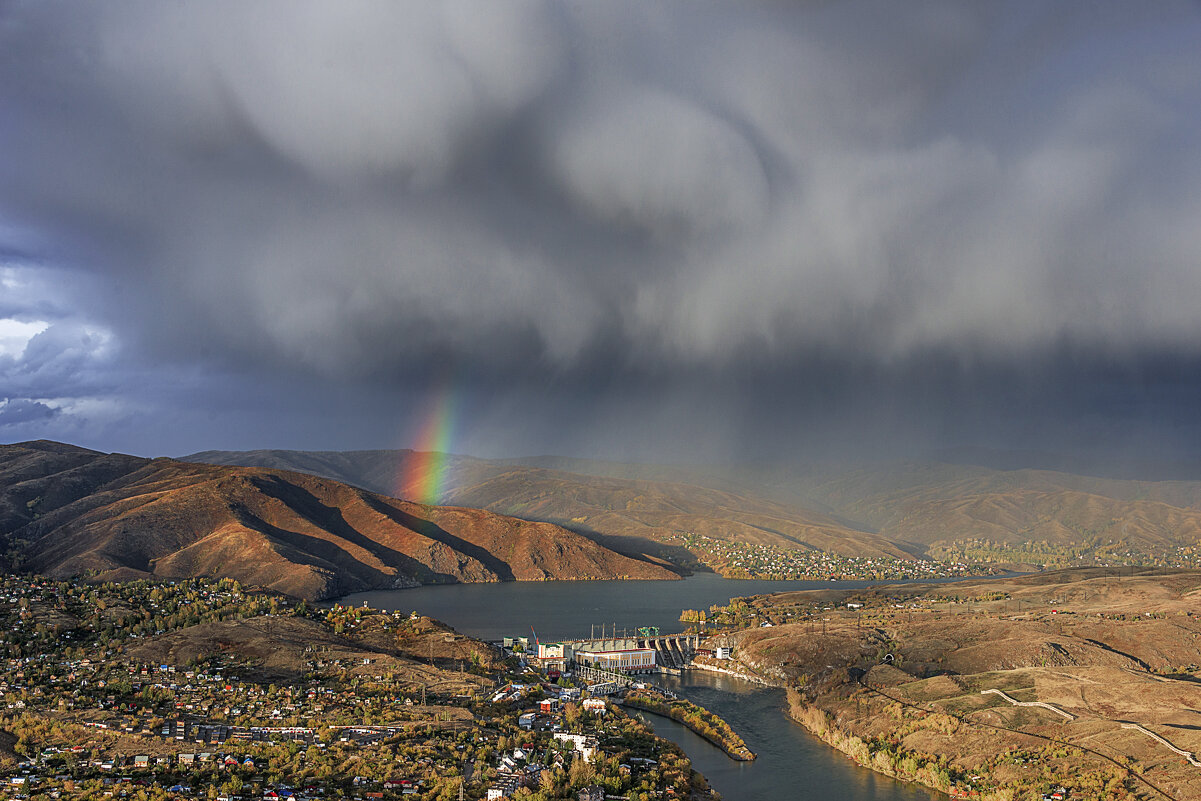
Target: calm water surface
569,609
791,764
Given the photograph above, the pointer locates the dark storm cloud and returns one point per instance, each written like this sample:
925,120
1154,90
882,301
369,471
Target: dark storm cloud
609,209
21,411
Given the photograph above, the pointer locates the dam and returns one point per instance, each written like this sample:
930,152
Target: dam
645,652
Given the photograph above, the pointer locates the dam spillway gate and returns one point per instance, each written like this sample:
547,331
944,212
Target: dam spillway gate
673,650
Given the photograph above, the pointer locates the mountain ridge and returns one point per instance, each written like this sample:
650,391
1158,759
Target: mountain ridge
638,514
893,509
71,511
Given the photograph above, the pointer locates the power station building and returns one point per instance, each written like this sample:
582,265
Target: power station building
621,655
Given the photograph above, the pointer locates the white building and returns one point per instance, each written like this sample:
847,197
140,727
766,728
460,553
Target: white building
585,745
621,655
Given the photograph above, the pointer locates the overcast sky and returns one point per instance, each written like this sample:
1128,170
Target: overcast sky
641,230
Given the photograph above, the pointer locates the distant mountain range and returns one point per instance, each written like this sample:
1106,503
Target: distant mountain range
932,503
895,509
629,514
321,524
66,510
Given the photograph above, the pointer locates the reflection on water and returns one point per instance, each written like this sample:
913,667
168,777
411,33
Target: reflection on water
791,764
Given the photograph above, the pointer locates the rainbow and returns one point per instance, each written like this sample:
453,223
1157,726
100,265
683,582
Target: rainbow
423,471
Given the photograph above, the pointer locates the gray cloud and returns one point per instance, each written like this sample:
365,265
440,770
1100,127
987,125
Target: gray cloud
21,411
620,199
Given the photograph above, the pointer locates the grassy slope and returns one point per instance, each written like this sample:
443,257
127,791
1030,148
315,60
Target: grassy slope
1115,650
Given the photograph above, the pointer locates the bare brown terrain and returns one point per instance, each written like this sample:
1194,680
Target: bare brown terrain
904,684
67,511
937,503
285,649
946,510
629,514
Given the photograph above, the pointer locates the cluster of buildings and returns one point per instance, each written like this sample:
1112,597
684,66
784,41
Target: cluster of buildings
739,559
521,767
616,655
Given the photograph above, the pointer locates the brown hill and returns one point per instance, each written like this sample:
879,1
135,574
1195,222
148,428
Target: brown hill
658,509
285,648
883,509
1108,617
65,511
380,471
635,515
930,503
976,671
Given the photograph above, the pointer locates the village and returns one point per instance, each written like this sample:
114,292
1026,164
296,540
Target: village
756,561
254,695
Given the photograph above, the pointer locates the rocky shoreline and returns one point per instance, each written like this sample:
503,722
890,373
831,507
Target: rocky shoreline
701,664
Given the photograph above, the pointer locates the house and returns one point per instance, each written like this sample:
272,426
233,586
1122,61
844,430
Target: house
592,793
586,746
595,705
504,786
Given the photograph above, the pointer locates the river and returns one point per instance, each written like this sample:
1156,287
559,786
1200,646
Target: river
791,766
791,763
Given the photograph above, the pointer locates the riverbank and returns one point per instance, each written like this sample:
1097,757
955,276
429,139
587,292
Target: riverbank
892,763
1003,691
697,719
700,663
790,763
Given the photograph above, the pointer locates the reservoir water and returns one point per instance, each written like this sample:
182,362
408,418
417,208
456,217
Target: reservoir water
792,766
569,609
